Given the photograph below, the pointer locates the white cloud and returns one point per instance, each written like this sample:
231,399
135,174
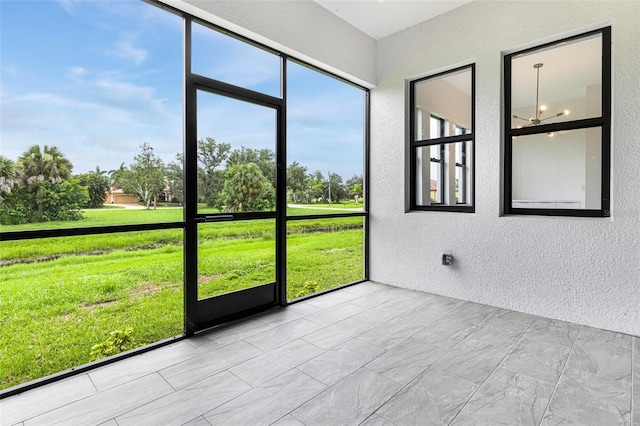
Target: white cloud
126,50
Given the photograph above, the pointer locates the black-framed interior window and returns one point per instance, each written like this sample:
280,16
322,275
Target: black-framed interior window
441,143
557,127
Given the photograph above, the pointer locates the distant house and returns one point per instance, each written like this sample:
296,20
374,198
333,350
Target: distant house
117,196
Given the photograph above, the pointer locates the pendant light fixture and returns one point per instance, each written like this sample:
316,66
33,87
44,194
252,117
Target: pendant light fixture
540,109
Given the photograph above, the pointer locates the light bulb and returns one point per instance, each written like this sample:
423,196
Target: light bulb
543,107
566,112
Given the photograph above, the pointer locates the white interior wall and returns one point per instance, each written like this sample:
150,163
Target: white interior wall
584,270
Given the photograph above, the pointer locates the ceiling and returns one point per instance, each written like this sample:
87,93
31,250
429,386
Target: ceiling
380,18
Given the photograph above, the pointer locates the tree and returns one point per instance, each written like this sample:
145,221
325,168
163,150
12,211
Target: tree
296,179
97,185
44,164
9,176
316,185
211,155
115,176
264,158
246,189
145,176
174,175
336,188
355,187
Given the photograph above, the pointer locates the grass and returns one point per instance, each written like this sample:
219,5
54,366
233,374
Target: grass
60,296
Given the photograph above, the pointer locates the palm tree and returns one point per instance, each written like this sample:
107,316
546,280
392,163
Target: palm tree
44,164
9,176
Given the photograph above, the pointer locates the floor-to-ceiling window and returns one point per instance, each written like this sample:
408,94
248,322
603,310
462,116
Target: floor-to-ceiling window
91,214
145,197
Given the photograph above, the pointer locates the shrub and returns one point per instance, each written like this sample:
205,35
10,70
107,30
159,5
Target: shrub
118,341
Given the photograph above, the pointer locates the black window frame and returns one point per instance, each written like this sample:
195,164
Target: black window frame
602,122
443,141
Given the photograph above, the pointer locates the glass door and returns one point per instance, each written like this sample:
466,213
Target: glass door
233,205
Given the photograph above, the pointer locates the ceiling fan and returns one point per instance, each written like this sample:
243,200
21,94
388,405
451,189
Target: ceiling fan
540,109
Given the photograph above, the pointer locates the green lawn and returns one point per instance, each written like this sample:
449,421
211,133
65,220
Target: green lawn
60,296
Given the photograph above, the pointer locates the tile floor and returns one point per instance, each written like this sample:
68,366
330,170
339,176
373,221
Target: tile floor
370,355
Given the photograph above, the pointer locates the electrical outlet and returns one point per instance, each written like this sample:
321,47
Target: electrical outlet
447,259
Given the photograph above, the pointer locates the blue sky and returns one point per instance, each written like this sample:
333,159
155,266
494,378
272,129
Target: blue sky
99,78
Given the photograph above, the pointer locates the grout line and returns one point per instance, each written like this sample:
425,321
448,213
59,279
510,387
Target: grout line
633,376
560,375
508,352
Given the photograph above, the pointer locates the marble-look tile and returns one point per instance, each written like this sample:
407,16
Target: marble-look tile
474,313
365,288
435,309
385,312
288,420
228,333
376,420
434,395
407,360
504,328
393,332
338,333
194,400
348,402
590,399
472,360
269,365
602,353
388,294
210,363
106,405
331,299
553,331
507,398
198,421
636,382
111,422
446,332
334,314
29,404
267,403
281,315
537,358
338,363
282,334
141,365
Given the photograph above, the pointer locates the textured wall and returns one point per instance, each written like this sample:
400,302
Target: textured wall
584,270
302,29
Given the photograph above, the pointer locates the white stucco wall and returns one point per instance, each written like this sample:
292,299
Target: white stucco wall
584,270
302,29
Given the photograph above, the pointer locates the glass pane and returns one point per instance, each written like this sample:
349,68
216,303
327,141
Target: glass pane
91,114
236,155
62,297
325,152
323,254
558,83
450,180
227,59
236,255
447,97
558,170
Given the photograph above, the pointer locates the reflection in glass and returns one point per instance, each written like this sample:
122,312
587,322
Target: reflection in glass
236,155
235,255
323,254
61,296
325,137
560,170
557,84
446,99
222,57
